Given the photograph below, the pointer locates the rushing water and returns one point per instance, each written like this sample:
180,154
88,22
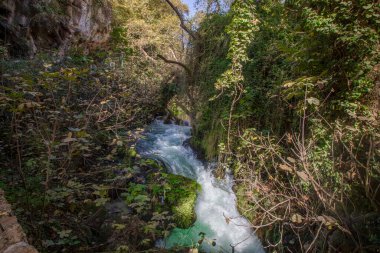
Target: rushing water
215,202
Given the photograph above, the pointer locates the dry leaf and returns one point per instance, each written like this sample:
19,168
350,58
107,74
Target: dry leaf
290,159
303,176
297,218
285,167
67,140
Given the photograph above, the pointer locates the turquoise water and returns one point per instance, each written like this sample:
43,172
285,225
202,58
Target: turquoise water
215,202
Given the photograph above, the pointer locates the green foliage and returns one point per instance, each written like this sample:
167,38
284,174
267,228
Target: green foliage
240,31
208,131
302,75
64,122
293,83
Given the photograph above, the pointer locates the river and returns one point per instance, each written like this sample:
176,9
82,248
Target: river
215,202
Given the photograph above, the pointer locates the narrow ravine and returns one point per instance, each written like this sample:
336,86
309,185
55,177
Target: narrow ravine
215,202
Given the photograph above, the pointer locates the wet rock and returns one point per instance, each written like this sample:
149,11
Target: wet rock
198,152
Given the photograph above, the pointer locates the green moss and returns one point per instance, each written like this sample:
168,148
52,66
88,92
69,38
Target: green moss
182,196
179,193
184,214
164,192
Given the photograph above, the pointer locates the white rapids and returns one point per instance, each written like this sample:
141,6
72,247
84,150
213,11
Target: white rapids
216,202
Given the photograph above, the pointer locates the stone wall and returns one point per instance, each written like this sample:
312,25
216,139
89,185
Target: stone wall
12,237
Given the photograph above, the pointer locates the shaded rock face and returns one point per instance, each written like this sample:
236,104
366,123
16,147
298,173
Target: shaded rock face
27,26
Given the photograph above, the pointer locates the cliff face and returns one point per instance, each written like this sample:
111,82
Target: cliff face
27,26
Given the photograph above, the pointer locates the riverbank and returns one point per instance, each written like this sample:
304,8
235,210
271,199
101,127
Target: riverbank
288,100
67,128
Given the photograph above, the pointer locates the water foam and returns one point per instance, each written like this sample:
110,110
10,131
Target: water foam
216,202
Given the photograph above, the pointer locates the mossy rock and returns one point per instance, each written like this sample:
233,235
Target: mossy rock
182,196
184,214
178,193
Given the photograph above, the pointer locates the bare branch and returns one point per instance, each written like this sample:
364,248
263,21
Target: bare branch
182,20
175,62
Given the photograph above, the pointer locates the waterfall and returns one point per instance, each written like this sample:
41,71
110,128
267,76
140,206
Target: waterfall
217,215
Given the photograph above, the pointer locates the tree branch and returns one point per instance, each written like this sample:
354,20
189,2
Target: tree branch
184,108
183,24
175,62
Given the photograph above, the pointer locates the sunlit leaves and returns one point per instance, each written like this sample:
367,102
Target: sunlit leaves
241,31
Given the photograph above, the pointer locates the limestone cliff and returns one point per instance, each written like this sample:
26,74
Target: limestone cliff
27,26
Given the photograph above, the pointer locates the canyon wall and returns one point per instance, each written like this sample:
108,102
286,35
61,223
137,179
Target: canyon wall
29,26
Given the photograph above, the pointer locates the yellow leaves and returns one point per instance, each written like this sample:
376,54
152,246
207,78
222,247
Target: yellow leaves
289,84
69,138
82,134
296,88
47,65
300,81
148,29
118,226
